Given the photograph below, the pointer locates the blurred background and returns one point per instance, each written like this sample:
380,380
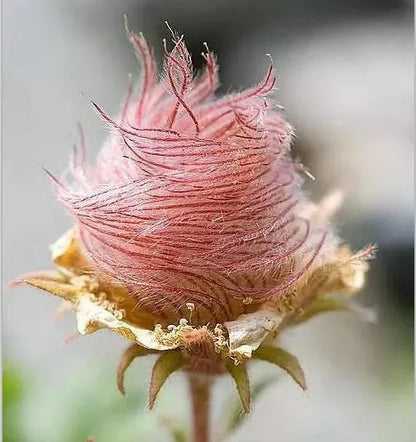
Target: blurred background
345,76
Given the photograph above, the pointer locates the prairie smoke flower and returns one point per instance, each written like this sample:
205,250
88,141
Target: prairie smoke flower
192,235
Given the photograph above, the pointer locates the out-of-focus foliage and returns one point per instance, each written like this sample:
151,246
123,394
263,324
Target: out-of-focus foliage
87,404
14,389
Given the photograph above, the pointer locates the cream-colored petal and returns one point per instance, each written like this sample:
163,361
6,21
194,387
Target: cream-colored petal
67,256
91,317
62,244
353,276
324,210
248,331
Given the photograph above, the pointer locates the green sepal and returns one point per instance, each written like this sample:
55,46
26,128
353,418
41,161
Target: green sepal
168,362
130,353
52,282
284,360
240,376
325,304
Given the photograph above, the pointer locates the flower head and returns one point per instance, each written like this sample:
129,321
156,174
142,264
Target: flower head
192,234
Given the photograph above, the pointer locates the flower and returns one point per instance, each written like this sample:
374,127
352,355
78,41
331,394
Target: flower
192,235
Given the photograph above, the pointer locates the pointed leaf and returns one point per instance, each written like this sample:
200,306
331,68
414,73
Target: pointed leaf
232,413
133,351
239,374
167,363
284,360
322,305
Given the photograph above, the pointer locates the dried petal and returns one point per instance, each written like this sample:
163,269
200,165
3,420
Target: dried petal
92,317
67,256
248,332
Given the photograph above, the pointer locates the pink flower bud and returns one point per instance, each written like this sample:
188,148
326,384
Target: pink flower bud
195,199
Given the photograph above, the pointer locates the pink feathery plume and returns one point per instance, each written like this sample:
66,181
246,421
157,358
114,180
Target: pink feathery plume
194,198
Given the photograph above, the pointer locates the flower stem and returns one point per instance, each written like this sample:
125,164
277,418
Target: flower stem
200,388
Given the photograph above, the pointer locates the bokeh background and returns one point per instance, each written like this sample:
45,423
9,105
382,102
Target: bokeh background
345,72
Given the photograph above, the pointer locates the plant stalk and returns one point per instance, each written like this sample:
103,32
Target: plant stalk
200,389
